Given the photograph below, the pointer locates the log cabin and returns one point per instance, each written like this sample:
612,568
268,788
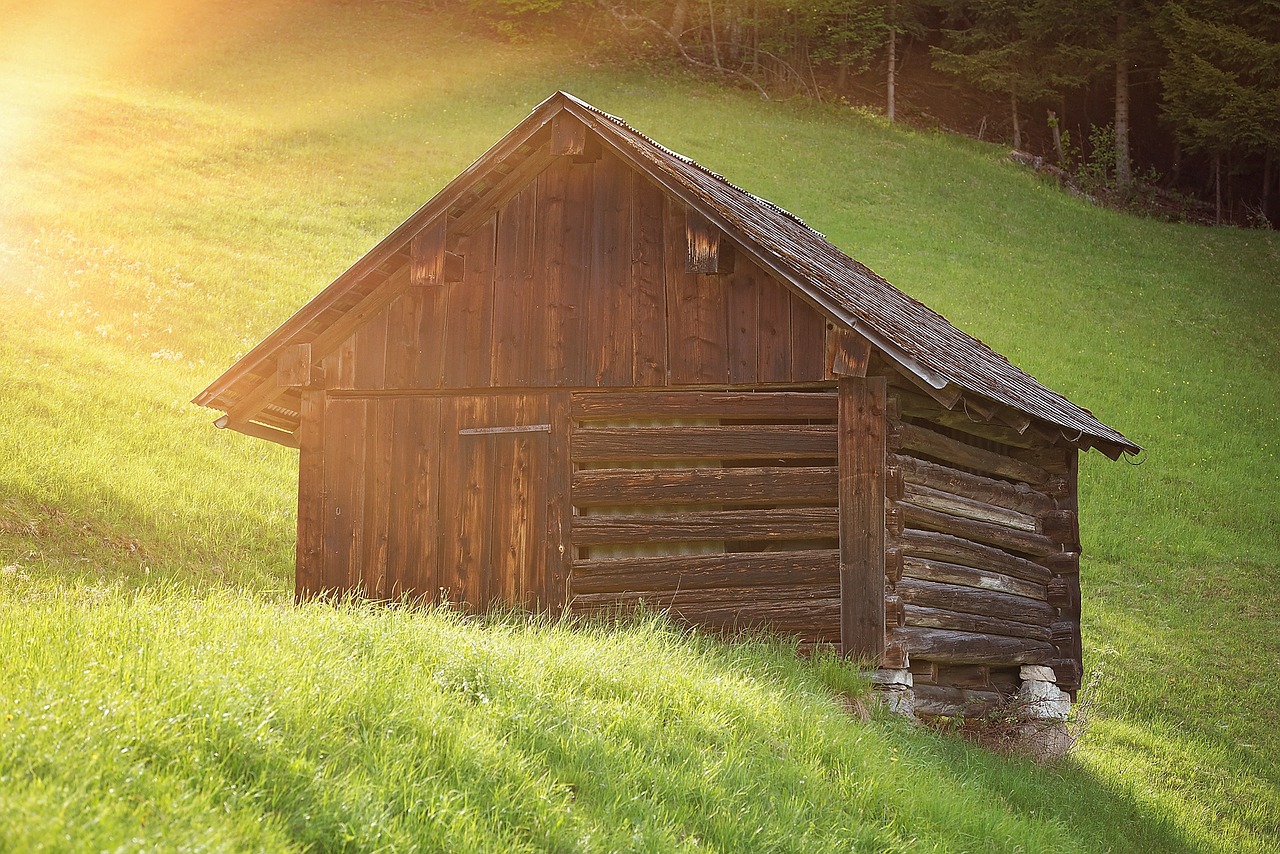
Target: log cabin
591,373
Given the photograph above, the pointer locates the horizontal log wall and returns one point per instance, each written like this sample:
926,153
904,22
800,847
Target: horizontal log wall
762,496
983,550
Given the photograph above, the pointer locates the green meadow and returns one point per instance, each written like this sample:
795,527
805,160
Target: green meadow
176,179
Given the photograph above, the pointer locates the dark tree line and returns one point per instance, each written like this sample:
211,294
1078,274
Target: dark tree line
1201,76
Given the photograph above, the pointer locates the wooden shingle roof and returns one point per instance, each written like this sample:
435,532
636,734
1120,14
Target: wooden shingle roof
951,365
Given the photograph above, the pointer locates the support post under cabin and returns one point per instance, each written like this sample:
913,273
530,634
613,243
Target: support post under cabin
862,516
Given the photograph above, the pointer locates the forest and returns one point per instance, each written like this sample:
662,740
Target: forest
1170,108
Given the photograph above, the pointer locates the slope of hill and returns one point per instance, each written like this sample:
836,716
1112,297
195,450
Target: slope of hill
178,184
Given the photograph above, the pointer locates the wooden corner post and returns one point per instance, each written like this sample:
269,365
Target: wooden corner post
862,519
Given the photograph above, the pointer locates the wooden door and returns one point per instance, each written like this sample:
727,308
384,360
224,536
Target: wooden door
459,498
502,500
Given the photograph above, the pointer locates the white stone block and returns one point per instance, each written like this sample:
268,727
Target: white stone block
1037,673
1044,701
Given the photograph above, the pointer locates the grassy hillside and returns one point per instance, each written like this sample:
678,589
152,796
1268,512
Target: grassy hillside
176,184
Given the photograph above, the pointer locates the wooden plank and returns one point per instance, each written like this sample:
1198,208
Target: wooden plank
696,319
958,453
962,675
559,320
773,357
704,404
344,460
505,507
742,304
1009,539
404,317
768,442
701,572
944,547
648,262
517,350
430,263
464,506
413,545
293,366
377,500
1063,527
808,342
466,336
571,318
309,572
609,331
747,525
972,600
552,584
862,523
731,486
949,646
944,502
1014,496
370,345
953,573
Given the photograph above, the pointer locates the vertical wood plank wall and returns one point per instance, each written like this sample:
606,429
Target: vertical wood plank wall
579,281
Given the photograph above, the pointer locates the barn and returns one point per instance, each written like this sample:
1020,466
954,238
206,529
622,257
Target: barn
590,372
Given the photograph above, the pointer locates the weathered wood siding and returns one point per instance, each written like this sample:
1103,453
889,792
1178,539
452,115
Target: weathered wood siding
580,281
760,485
450,498
983,552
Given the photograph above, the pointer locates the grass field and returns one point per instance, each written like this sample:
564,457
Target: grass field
176,179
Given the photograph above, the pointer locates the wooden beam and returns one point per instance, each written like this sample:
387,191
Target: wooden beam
848,353
1000,536
293,366
964,647
702,572
703,241
959,453
726,486
862,520
755,525
259,431
568,135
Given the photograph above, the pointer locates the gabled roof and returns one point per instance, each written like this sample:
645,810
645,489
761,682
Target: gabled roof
952,366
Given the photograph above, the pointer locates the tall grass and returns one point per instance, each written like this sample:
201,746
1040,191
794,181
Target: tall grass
226,721
176,186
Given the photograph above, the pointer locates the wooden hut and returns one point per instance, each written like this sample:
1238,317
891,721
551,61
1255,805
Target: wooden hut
590,372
